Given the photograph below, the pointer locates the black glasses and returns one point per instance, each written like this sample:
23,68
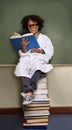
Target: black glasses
32,25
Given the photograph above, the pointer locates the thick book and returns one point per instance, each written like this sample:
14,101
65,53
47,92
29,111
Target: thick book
38,104
41,120
41,86
36,113
35,117
36,108
16,38
41,97
35,124
41,91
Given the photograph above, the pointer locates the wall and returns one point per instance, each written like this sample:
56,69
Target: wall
10,88
58,26
59,84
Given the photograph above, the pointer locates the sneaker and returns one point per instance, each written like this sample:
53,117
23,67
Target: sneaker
28,99
23,94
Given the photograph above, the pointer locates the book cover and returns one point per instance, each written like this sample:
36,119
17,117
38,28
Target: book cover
16,38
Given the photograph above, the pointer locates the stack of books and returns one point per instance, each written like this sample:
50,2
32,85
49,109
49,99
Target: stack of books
37,113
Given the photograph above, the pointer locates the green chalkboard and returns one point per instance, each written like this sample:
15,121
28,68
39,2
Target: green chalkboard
58,26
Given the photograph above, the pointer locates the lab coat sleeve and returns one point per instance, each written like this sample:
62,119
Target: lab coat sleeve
22,54
48,48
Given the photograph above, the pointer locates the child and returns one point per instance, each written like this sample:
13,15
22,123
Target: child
34,61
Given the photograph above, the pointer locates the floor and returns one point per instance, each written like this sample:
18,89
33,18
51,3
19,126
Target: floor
56,122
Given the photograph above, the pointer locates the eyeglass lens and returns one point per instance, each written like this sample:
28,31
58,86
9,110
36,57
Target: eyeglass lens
32,25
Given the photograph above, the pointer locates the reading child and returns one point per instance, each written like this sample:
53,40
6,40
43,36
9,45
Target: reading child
33,62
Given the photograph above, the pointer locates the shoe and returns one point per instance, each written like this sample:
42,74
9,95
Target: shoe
28,99
23,94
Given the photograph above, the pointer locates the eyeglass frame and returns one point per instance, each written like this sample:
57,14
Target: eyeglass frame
32,25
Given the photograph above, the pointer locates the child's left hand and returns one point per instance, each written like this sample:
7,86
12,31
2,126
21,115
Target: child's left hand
36,50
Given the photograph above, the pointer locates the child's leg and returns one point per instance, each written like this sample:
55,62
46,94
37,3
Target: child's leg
35,79
26,85
27,93
29,86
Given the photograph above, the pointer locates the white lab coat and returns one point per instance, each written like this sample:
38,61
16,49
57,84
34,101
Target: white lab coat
30,62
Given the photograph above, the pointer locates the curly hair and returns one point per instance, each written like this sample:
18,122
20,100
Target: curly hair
35,18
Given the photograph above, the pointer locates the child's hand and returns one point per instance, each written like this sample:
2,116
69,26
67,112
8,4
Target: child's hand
24,43
36,50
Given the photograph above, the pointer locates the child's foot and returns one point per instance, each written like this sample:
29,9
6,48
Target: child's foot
23,94
28,98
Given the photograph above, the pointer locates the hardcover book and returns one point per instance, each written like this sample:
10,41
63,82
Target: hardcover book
35,117
36,113
41,120
16,38
36,108
35,124
38,104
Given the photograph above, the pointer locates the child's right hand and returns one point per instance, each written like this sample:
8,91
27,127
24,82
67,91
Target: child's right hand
24,43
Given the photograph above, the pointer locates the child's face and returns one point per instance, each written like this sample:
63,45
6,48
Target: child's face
33,27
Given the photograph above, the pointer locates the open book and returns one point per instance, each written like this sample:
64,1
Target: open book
16,38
